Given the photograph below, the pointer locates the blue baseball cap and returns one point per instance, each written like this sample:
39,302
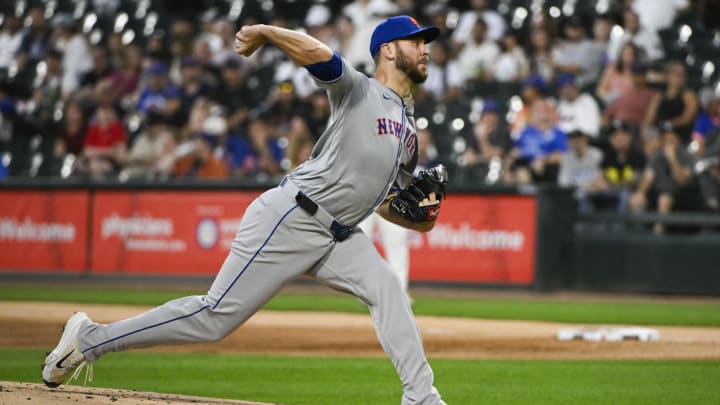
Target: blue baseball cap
566,78
399,27
490,106
156,68
535,81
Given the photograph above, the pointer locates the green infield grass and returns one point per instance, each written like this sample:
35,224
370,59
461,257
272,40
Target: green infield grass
689,313
348,381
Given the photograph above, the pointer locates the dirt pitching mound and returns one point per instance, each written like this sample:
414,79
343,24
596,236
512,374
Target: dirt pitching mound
12,393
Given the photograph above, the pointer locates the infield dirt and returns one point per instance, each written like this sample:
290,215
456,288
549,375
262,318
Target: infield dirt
32,324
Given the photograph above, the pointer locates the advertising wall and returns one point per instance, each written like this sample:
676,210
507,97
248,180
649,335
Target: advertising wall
478,238
488,239
43,231
165,232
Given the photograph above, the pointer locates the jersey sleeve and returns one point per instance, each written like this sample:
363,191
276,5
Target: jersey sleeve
338,78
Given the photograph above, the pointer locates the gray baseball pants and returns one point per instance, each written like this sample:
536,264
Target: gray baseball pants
276,243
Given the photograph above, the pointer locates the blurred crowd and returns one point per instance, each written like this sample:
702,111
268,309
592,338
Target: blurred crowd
618,99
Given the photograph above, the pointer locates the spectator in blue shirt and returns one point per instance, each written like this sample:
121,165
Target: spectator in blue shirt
155,93
260,154
707,121
538,149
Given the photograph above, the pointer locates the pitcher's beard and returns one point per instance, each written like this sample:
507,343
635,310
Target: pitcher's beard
412,70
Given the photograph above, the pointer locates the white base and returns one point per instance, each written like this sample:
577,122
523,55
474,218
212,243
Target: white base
609,334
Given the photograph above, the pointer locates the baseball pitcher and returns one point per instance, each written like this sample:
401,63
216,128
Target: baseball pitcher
362,163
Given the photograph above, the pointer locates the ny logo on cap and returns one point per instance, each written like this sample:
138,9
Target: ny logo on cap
415,23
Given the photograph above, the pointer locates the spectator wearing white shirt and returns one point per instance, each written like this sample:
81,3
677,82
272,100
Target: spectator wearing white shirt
480,9
365,16
77,59
445,77
577,110
11,36
512,65
656,15
645,39
477,58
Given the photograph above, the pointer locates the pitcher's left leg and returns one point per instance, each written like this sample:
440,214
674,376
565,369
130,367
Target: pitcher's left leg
395,243
355,266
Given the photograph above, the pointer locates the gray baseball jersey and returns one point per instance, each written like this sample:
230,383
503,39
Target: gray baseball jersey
369,144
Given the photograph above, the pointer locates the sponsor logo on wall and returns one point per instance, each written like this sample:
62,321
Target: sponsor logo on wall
27,230
142,233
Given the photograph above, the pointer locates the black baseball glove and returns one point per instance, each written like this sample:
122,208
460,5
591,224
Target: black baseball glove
433,180
409,204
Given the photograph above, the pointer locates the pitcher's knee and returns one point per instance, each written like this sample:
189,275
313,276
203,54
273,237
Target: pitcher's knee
214,335
386,286
217,325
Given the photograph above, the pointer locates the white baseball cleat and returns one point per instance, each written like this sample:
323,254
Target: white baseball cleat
66,358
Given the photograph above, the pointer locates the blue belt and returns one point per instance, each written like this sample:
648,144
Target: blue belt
339,231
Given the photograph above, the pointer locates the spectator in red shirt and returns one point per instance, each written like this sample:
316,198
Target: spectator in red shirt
105,147
71,136
125,78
